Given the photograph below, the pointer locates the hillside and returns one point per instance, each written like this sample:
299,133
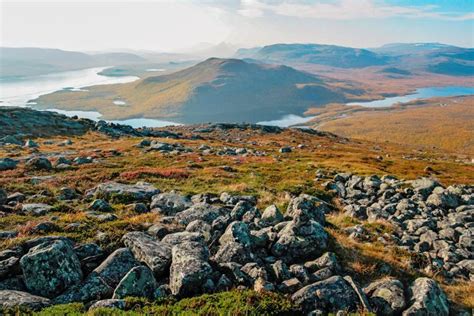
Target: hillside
229,90
329,55
200,218
29,61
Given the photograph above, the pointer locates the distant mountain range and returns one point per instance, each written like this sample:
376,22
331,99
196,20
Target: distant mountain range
228,90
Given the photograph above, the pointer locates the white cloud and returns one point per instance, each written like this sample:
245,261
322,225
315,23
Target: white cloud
344,10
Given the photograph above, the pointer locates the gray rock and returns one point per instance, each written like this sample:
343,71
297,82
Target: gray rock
189,269
271,216
427,298
200,227
138,282
280,271
424,186
30,144
93,288
182,237
169,203
330,295
290,286
308,207
8,266
156,255
13,299
7,164
237,232
67,194
51,268
202,211
386,297
285,150
36,209
114,268
327,260
124,193
109,303
100,206
39,163
233,252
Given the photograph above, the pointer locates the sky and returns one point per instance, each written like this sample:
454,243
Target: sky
179,25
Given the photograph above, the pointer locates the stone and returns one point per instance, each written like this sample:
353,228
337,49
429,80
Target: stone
170,203
14,299
109,303
39,163
237,232
271,216
30,144
114,268
386,297
202,211
427,298
233,252
200,227
100,206
189,269
156,255
8,266
124,193
138,282
330,295
7,164
290,286
308,207
51,268
280,271
327,260
240,209
67,194
93,288
182,237
284,150
139,208
36,209
424,186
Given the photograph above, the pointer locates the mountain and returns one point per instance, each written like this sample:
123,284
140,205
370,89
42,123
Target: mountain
30,61
328,55
431,57
229,90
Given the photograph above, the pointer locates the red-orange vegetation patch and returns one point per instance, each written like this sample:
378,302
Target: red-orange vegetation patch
174,173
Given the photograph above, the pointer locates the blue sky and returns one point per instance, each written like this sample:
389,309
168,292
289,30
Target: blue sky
173,25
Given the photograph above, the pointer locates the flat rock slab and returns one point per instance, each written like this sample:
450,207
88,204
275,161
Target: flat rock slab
12,299
124,193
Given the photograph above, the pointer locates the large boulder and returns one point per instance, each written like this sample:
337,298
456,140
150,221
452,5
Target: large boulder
386,297
189,269
233,252
427,298
138,282
297,241
312,208
7,164
124,193
237,232
51,268
93,288
39,163
201,211
14,299
424,186
271,216
117,264
169,203
156,255
330,295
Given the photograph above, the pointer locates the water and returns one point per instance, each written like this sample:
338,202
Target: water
287,120
422,93
19,92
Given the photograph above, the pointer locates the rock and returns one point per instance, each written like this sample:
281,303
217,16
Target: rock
8,266
109,303
156,255
124,193
100,206
360,294
94,287
424,186
330,295
240,209
290,286
169,203
182,237
30,144
39,163
200,227
308,207
271,216
8,234
3,196
101,217
7,164
67,194
233,252
296,243
83,160
51,268
114,268
158,230
138,282
202,211
284,150
14,299
139,208
10,140
189,269
327,260
280,271
236,232
386,297
427,298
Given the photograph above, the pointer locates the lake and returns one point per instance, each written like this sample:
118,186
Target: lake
422,93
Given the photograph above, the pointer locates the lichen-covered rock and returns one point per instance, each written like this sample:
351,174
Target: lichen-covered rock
124,193
271,216
427,298
386,297
189,269
330,295
233,252
169,203
182,237
51,268
36,209
138,282
109,303
237,232
156,255
93,288
201,211
424,186
7,164
117,264
100,206
312,207
39,163
11,299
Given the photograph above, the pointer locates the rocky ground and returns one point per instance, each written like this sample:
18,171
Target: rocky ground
259,220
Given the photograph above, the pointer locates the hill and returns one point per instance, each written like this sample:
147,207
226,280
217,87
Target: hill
329,55
229,90
29,61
